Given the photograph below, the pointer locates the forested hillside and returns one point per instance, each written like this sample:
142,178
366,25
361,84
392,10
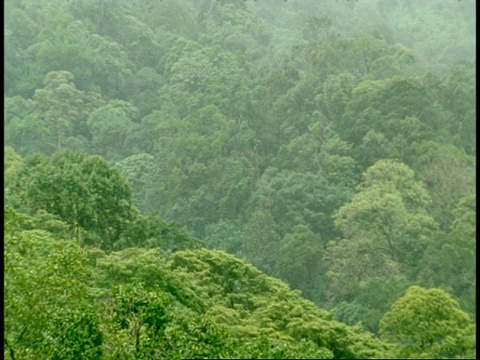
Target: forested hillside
239,179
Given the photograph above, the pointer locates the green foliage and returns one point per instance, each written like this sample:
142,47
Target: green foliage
198,290
371,299
142,315
28,135
111,127
82,190
310,198
11,162
429,323
201,76
138,169
152,231
288,312
447,173
143,86
451,257
298,262
459,90
389,213
236,29
48,310
392,114
260,240
247,124
54,118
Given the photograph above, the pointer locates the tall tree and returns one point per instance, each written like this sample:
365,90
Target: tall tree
449,174
63,107
84,191
385,228
449,261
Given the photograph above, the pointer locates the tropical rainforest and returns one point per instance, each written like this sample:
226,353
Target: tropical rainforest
239,179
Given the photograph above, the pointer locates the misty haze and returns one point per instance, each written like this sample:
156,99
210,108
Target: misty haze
239,179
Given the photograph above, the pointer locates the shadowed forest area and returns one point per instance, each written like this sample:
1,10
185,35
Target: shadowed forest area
239,179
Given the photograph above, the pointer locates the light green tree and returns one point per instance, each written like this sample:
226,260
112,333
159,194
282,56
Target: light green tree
385,230
63,107
429,323
390,209
49,311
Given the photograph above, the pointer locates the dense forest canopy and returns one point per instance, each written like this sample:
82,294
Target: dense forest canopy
239,179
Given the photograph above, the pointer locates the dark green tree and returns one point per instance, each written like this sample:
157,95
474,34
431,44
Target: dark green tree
300,263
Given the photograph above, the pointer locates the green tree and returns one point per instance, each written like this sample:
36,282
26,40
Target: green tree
368,55
139,170
300,262
204,166
260,240
458,95
143,88
449,260
111,68
224,235
393,114
202,77
48,307
448,173
16,106
429,323
11,162
20,33
151,231
63,108
83,190
258,304
371,299
385,228
309,198
60,44
216,306
240,31
176,17
29,135
336,94
112,127
142,315
351,262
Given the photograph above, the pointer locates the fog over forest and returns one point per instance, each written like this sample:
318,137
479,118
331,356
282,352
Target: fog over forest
239,179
